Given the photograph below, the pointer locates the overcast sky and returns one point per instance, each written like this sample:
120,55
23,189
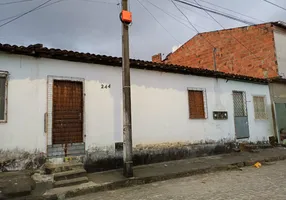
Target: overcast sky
93,25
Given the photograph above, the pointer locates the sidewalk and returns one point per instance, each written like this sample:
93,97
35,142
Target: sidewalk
110,180
15,184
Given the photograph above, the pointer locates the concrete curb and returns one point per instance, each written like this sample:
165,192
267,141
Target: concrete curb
144,180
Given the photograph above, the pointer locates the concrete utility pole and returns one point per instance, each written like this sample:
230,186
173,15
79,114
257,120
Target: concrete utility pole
127,123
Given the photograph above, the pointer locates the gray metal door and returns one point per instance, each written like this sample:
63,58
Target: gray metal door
280,117
240,115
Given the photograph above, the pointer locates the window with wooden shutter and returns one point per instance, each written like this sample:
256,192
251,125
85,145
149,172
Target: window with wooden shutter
196,104
259,107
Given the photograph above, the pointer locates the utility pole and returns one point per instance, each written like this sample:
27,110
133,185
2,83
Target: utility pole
127,123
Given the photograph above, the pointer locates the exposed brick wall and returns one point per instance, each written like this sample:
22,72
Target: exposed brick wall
232,55
157,58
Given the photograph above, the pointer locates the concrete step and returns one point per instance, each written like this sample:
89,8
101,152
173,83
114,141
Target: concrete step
51,168
75,173
69,182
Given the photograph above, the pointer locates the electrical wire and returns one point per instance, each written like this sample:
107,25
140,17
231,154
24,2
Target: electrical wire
58,1
171,15
229,32
158,21
14,2
96,1
47,5
185,17
192,24
177,18
201,7
216,12
274,4
218,6
210,16
163,26
25,13
195,11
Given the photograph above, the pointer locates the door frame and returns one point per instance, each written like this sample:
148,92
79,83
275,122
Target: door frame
276,128
49,113
246,112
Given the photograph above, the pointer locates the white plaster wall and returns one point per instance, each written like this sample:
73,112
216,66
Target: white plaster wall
159,104
280,45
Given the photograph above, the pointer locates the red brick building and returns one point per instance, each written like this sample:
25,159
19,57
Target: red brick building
257,51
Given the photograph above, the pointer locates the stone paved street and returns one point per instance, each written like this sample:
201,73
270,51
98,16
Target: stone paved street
268,182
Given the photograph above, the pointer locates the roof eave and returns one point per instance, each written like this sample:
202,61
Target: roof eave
44,52
280,24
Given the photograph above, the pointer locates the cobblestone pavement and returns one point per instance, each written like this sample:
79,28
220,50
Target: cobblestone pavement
268,182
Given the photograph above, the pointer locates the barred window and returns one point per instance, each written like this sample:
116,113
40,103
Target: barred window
239,103
2,98
196,104
259,107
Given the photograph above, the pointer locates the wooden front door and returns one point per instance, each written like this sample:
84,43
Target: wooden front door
67,112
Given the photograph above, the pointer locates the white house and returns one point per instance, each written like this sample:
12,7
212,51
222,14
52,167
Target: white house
57,101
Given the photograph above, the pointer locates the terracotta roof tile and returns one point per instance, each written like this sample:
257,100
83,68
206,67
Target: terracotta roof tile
38,50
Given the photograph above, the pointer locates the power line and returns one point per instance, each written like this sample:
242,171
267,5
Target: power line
95,1
195,11
47,5
162,25
176,17
228,32
274,4
191,23
231,10
35,10
14,2
158,21
216,12
185,17
210,15
171,15
25,13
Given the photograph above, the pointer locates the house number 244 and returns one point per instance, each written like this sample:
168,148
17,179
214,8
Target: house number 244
105,86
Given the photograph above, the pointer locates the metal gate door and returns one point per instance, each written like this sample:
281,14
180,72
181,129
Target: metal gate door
67,112
240,115
280,117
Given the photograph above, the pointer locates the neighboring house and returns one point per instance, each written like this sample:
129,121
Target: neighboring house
278,98
67,103
256,51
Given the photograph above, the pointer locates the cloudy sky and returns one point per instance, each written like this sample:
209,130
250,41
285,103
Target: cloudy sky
94,26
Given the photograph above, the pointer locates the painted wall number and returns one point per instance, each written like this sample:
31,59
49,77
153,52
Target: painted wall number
105,86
